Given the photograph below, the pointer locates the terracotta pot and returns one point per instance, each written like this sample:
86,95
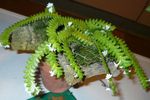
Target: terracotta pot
53,84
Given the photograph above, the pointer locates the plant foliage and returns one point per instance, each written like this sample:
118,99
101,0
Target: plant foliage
63,33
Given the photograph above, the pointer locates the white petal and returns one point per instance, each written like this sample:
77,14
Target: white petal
49,5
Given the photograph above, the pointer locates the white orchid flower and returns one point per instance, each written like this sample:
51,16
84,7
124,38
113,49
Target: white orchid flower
116,64
51,48
75,75
70,23
124,72
50,7
52,73
105,52
106,27
108,76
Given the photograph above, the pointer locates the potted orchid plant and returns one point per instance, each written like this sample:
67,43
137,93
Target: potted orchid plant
71,49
